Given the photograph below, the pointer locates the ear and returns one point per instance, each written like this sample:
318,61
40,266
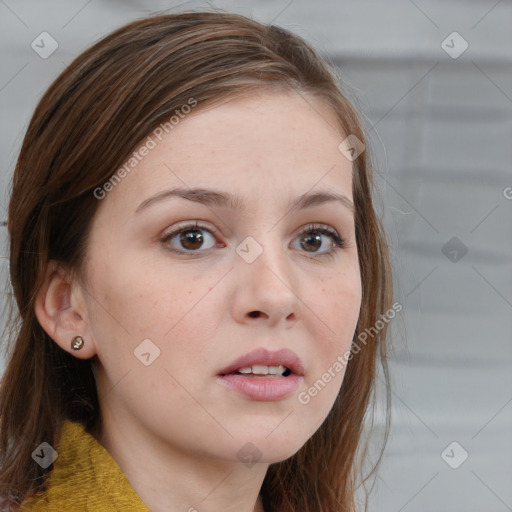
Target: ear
61,310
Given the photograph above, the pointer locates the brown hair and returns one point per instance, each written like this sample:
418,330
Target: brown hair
86,125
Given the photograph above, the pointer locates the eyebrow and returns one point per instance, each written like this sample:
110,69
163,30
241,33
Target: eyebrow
218,199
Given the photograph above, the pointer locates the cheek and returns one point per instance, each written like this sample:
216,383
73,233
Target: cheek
336,314
338,305
135,301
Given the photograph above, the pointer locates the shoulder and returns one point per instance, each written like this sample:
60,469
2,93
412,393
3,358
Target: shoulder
84,478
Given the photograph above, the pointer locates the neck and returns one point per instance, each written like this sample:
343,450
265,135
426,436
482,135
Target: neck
171,479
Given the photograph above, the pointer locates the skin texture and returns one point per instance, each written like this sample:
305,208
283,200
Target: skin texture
171,427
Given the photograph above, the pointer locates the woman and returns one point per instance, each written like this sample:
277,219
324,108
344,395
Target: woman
194,254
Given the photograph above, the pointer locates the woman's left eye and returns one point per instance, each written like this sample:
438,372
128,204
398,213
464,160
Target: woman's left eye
313,236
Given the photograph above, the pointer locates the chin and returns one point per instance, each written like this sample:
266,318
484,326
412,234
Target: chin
277,449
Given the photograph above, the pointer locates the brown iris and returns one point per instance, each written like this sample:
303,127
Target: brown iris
312,240
192,239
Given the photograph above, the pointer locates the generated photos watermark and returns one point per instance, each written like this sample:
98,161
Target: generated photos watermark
304,397
144,149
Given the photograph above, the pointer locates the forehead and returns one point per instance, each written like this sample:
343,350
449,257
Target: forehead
268,145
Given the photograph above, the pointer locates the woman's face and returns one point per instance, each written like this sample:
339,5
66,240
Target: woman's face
172,305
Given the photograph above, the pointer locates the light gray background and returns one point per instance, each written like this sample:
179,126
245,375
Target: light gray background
441,136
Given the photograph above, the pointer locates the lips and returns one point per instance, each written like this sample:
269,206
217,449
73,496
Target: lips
262,356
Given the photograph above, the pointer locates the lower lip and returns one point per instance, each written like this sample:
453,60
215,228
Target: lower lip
263,388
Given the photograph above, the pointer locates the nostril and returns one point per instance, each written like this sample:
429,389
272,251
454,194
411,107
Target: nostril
254,314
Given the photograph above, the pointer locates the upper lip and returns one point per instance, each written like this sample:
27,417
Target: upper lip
263,356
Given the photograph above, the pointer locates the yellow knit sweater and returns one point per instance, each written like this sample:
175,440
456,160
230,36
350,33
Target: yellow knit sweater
85,478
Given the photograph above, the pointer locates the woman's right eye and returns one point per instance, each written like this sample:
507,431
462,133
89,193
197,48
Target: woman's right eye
190,239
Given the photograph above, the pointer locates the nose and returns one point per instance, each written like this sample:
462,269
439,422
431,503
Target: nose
265,290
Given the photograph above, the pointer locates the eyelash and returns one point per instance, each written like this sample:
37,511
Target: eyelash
338,242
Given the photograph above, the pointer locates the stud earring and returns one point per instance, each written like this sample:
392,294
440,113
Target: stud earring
77,343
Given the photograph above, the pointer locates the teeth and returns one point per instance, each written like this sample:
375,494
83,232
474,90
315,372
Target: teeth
261,369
